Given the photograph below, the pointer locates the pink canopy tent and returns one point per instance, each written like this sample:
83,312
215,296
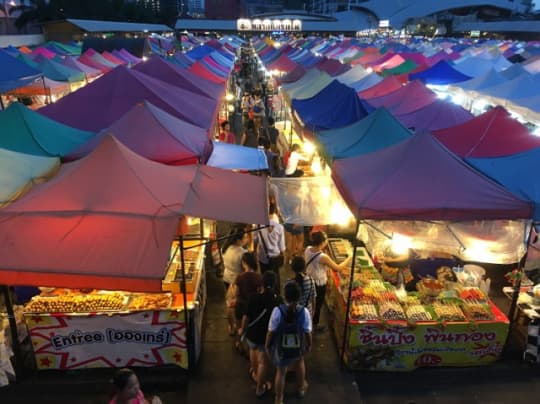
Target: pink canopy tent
390,63
493,134
107,220
406,99
419,179
388,85
88,61
439,114
201,71
97,105
97,57
90,72
161,69
283,63
153,133
111,58
43,52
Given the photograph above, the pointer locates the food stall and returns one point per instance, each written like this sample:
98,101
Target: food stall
390,329
81,328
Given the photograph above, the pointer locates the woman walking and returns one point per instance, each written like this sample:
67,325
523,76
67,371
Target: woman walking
306,283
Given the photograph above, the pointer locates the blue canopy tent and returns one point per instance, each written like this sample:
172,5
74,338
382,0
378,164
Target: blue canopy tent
234,157
335,106
14,73
376,131
439,74
516,173
199,52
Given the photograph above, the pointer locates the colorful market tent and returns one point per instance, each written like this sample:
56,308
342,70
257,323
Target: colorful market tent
19,172
353,75
493,134
407,66
175,75
294,75
15,73
523,86
29,132
376,131
317,113
489,79
45,87
366,82
309,85
58,72
437,115
419,179
203,71
406,99
235,157
386,86
440,74
100,103
153,133
89,61
73,63
107,220
517,173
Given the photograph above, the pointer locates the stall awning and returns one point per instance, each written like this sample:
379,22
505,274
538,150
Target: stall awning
419,179
107,220
234,157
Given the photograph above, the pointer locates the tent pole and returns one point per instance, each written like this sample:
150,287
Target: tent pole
2,103
515,292
347,310
14,332
189,340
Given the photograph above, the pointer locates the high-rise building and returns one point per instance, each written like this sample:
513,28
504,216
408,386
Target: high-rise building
254,7
164,6
224,9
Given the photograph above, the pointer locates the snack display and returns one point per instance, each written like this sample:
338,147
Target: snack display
391,311
90,303
477,311
448,312
150,301
472,293
363,311
417,312
430,286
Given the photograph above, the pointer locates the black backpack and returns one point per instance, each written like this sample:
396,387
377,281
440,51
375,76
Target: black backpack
290,335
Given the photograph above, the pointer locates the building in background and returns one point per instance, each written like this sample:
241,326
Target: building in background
224,9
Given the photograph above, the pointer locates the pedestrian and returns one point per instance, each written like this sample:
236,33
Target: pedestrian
317,264
225,133
127,389
292,170
250,137
306,283
288,340
254,328
270,245
247,284
272,134
258,111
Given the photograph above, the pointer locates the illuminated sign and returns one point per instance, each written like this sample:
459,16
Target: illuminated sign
245,24
384,23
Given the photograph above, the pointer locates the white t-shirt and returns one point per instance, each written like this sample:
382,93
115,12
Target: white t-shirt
318,271
232,260
292,162
274,241
275,320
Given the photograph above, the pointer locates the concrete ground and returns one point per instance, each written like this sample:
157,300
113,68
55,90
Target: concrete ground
222,377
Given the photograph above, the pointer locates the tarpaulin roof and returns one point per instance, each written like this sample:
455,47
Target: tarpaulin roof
366,82
235,157
419,179
493,134
89,71
439,74
386,86
163,70
203,71
406,67
15,73
45,87
489,79
56,71
406,99
437,115
517,173
18,172
27,131
107,220
376,131
525,85
153,133
294,75
332,67
319,113
283,63
353,75
111,58
100,103
313,82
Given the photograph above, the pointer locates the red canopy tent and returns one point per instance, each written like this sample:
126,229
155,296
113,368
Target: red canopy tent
419,179
493,134
198,69
107,220
387,86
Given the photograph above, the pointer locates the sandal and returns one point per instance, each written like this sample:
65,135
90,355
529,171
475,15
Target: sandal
253,375
262,393
302,392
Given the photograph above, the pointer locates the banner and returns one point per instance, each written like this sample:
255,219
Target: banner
376,346
146,338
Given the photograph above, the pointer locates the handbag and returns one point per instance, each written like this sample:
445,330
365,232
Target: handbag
251,324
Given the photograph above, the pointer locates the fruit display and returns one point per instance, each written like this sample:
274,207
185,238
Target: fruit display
448,312
477,311
340,249
430,286
364,312
90,303
417,312
391,311
150,301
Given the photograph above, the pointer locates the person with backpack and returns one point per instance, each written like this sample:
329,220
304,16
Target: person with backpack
306,283
254,326
288,339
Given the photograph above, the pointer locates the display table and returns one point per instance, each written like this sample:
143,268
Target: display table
126,329
376,340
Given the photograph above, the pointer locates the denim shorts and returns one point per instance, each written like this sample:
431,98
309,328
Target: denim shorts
255,347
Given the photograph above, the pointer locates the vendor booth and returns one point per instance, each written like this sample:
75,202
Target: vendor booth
117,288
